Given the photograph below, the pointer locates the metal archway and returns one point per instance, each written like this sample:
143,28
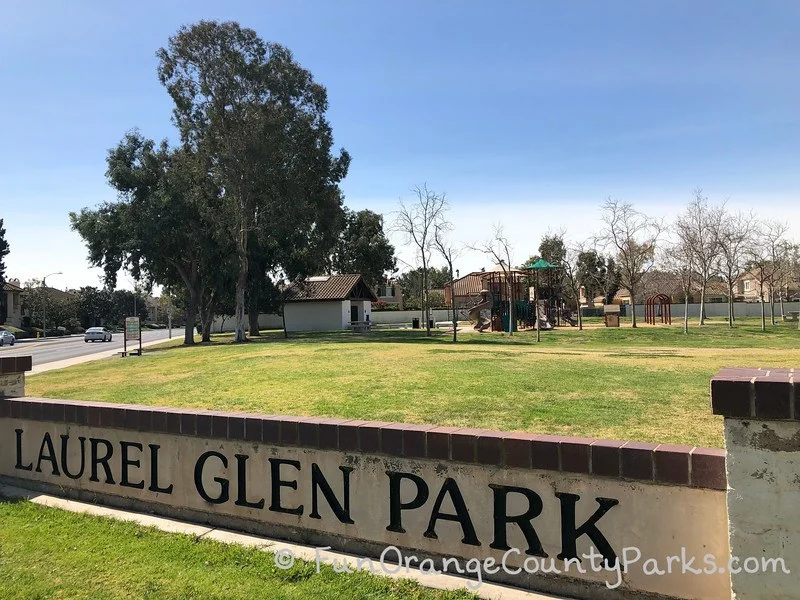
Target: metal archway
664,309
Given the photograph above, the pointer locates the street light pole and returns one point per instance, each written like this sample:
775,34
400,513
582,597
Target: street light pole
44,302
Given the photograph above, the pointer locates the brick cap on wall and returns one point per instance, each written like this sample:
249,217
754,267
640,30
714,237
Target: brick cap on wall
755,393
15,364
666,464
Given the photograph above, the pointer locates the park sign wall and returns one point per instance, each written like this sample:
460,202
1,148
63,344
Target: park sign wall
522,500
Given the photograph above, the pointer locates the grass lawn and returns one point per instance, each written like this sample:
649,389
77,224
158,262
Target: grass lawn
50,553
649,383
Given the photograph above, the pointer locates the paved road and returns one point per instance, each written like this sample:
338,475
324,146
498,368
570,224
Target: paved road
55,349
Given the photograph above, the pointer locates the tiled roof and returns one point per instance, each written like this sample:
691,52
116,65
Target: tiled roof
469,285
10,287
334,287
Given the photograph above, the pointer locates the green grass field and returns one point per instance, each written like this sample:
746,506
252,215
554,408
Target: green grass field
50,553
649,383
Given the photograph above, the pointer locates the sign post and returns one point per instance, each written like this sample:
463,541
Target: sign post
133,332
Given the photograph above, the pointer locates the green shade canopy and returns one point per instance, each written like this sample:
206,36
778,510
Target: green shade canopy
541,264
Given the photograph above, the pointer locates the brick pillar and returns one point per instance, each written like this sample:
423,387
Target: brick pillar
12,375
762,438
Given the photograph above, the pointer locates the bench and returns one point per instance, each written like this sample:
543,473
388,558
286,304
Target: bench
360,326
792,315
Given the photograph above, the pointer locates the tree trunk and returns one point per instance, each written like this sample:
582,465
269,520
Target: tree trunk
763,316
730,305
772,306
252,314
686,313
780,299
207,322
633,309
426,309
453,303
702,304
241,288
191,315
580,316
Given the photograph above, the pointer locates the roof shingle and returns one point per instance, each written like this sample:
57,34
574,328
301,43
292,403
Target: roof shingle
333,288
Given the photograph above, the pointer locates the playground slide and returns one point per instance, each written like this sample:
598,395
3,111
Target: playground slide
542,321
474,314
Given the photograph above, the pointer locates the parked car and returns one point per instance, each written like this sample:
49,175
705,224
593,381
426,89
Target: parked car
97,333
6,337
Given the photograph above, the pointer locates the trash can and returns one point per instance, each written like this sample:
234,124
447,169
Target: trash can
415,323
430,324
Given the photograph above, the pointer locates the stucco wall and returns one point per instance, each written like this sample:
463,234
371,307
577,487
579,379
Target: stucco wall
381,317
720,309
317,316
265,321
764,477
397,317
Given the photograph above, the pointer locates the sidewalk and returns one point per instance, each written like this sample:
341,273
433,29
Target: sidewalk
68,362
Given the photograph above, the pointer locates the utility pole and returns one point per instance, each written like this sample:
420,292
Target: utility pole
44,302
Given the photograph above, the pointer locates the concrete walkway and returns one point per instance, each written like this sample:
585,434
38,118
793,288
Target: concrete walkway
489,591
61,364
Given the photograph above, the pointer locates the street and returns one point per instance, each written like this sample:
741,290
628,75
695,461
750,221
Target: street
63,348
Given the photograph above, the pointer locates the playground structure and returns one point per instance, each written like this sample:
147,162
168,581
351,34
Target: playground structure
664,309
508,299
512,286
506,287
485,303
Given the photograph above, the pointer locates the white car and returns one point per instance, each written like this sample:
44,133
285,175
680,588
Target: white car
6,337
97,333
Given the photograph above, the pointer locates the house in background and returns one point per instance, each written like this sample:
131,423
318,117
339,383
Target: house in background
390,293
13,293
464,292
671,284
747,288
328,303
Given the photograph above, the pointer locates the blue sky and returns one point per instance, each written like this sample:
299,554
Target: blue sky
528,114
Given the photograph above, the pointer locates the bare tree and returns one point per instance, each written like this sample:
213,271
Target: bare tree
449,253
417,221
761,265
698,231
734,237
678,260
499,249
572,276
779,252
631,236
